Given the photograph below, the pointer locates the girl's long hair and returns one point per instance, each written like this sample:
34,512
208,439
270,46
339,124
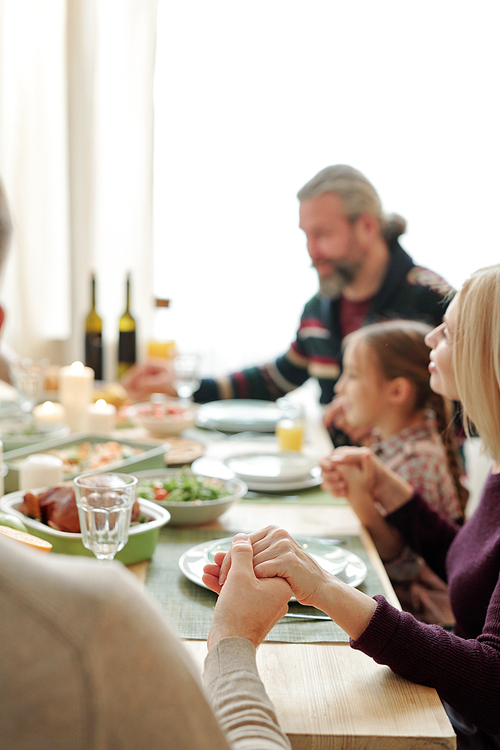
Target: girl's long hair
400,348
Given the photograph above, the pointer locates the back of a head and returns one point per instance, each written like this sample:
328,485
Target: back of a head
5,227
476,355
358,197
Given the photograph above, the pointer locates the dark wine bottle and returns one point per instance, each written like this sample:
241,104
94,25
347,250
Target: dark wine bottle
126,338
93,338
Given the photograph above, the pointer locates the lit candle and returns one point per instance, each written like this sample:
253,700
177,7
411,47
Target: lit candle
76,384
40,470
101,416
48,413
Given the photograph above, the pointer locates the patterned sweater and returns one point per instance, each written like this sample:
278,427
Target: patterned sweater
408,291
463,667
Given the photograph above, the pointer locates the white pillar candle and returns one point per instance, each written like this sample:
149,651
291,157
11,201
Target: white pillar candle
48,413
40,470
76,384
101,416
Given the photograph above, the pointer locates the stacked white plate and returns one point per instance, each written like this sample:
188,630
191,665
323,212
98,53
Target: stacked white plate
275,472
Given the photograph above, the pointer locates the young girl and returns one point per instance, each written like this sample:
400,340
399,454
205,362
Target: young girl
385,383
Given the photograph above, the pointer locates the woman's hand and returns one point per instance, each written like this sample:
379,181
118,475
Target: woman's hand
352,472
247,607
276,554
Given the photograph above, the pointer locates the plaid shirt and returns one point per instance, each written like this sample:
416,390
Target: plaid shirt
418,456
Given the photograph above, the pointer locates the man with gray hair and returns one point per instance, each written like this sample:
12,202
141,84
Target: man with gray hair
364,276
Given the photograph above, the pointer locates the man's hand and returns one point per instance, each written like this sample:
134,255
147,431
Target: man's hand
247,607
149,377
334,416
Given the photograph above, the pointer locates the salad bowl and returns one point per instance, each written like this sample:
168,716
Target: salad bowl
191,500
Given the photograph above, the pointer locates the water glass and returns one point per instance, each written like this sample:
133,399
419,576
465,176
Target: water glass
186,374
104,503
28,377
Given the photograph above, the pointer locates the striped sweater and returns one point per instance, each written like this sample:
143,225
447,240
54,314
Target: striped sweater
408,291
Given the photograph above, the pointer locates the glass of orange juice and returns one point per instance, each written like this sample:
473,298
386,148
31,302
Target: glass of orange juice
290,429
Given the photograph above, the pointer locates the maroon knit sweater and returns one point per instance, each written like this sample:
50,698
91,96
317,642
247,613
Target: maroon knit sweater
463,667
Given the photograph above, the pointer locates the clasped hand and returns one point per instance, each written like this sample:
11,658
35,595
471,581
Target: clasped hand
276,557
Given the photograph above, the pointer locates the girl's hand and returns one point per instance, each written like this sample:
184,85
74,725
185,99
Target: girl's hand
363,472
334,416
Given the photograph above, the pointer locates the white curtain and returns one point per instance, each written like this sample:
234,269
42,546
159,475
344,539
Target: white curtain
76,142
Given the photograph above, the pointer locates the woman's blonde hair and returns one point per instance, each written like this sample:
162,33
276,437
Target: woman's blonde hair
401,351
476,355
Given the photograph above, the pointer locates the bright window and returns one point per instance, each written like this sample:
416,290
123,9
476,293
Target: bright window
252,99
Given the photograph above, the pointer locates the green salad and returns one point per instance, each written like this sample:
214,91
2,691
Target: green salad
182,488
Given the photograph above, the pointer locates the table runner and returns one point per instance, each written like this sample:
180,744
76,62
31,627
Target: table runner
189,607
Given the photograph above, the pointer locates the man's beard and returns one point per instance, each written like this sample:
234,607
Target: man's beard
341,276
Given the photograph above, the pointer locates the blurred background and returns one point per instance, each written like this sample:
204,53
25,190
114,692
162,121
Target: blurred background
168,140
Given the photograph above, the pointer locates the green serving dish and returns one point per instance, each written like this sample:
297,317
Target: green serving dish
151,457
142,537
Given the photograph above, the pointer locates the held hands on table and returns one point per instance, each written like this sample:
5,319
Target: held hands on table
247,603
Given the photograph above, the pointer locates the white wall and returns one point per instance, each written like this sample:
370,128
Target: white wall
252,100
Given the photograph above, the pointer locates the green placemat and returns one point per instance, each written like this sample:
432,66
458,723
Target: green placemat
189,607
314,496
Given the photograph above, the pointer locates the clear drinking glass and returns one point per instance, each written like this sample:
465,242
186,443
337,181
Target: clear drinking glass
186,374
28,377
104,503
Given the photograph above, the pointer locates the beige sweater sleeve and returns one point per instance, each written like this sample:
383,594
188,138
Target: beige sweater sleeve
239,699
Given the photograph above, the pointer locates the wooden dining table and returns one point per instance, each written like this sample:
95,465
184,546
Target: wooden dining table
328,696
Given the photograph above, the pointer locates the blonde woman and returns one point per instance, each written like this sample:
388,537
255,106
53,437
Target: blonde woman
463,666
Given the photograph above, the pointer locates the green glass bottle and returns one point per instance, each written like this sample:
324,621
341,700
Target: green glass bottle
93,338
126,338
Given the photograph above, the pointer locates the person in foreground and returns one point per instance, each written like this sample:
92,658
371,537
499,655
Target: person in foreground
464,666
88,661
364,276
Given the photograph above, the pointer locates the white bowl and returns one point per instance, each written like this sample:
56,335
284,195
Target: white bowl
167,424
195,513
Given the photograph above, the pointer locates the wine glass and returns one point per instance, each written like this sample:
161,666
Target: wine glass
28,377
186,375
104,503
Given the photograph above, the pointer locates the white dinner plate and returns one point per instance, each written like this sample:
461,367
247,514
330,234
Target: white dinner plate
313,479
271,468
211,467
347,566
239,415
